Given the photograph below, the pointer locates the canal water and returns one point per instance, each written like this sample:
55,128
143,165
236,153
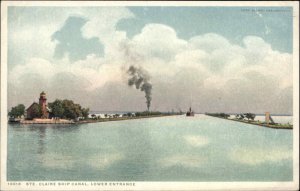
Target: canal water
175,148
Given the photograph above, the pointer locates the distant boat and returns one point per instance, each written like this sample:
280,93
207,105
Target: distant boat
190,113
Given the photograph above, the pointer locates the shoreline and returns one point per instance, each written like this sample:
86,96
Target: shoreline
119,119
46,121
51,121
278,126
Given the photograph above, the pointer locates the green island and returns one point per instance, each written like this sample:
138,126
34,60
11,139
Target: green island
249,118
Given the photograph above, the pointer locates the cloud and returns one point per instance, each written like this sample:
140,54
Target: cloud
209,42
254,54
257,156
102,22
219,75
158,41
69,40
31,28
36,66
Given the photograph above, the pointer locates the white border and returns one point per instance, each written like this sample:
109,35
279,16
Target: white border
149,3
294,185
3,93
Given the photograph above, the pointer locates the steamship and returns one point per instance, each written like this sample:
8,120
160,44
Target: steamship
190,113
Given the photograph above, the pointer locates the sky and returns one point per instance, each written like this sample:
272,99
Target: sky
215,59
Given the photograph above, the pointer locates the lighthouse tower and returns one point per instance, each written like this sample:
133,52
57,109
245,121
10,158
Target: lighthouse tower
43,104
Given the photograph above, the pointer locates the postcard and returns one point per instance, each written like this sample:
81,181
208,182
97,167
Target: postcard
136,95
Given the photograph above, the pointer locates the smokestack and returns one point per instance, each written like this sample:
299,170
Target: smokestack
140,78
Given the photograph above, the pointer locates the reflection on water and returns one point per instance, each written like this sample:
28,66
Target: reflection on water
254,156
101,161
172,148
189,161
41,141
56,160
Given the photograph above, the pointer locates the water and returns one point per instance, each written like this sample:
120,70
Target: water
175,148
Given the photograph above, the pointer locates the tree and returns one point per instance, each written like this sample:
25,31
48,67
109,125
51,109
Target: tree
250,116
85,112
224,115
68,109
241,117
36,111
73,111
17,111
57,108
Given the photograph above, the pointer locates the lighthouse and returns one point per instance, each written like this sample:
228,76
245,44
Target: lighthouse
43,105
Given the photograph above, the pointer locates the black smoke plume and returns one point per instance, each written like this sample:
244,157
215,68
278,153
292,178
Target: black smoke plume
140,79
